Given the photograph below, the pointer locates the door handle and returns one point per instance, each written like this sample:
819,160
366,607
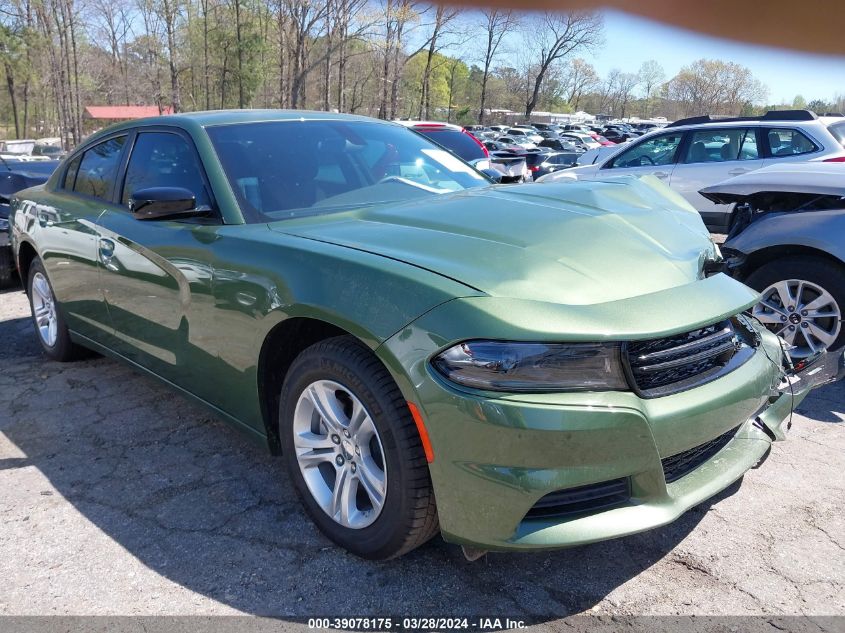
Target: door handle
106,250
738,171
660,174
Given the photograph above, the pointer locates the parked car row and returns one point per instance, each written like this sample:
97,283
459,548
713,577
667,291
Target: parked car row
32,149
694,153
507,159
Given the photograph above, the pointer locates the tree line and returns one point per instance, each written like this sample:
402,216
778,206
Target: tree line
384,58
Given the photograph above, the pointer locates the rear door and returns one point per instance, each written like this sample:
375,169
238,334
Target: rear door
710,156
67,221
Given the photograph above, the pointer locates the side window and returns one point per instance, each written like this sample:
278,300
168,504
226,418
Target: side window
98,168
161,159
70,174
788,142
718,146
659,150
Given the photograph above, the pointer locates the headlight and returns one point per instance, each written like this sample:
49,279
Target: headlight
503,366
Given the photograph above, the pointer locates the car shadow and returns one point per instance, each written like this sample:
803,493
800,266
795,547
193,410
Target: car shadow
17,339
198,503
821,404
13,288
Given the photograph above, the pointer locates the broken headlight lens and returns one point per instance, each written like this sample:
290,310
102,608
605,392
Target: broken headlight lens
527,367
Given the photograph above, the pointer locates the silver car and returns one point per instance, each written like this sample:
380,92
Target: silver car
694,153
788,242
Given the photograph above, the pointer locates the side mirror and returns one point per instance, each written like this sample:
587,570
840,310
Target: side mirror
492,174
160,203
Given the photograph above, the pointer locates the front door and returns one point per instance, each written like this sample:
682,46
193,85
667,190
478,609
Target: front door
651,157
156,275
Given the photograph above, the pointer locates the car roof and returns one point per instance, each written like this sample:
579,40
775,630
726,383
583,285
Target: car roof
772,118
810,177
209,118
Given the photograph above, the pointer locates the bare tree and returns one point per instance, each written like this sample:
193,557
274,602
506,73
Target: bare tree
305,16
347,12
442,18
711,86
552,37
497,23
626,85
407,14
580,79
652,77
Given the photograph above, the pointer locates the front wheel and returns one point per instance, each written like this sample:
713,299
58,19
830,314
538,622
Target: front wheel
801,300
353,452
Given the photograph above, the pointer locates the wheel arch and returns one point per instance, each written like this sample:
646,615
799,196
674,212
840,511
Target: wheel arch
281,345
758,258
25,256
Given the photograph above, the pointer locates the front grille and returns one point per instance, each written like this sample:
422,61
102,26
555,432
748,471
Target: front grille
677,466
662,366
589,498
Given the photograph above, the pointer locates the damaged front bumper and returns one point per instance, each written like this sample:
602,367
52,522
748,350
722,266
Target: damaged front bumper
821,369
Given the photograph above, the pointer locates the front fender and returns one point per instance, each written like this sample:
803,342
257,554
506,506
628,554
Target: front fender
817,230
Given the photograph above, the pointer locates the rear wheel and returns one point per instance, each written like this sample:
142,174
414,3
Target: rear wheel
802,299
47,317
353,451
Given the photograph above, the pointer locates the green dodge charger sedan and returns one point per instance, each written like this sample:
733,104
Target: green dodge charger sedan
520,367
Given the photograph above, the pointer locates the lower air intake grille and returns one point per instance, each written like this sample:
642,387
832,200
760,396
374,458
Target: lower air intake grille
677,466
582,499
662,366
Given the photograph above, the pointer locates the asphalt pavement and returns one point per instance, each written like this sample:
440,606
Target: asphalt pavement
120,497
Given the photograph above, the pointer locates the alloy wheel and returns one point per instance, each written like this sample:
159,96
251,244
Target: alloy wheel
340,454
44,310
804,314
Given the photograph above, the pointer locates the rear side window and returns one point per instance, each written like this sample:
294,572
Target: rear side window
564,159
70,174
98,168
457,142
788,142
717,146
838,132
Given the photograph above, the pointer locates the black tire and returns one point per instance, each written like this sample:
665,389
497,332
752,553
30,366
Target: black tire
7,267
408,517
823,273
63,350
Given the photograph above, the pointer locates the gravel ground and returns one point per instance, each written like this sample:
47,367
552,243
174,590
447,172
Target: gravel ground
119,497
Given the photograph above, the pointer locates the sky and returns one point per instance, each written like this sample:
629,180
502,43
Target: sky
631,40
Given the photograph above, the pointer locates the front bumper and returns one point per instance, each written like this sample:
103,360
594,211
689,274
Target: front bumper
496,456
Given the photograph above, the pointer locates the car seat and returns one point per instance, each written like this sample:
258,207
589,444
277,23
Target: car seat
774,143
698,153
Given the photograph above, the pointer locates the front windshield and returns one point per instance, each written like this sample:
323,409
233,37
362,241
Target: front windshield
288,169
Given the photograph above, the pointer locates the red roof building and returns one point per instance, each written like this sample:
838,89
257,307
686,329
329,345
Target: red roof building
124,113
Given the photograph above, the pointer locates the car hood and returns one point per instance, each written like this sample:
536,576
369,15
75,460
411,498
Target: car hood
579,243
